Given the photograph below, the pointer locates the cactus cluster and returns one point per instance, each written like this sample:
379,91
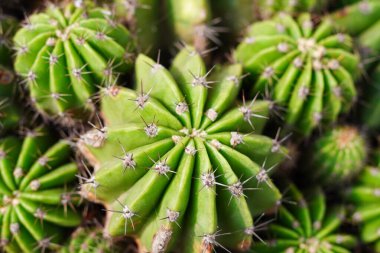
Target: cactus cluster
365,198
65,53
307,224
36,204
305,67
180,161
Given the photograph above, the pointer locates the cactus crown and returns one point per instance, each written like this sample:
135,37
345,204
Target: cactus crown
306,68
338,155
35,205
365,197
306,225
65,54
180,161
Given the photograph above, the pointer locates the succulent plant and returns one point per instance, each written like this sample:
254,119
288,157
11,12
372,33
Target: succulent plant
66,53
306,223
361,19
365,198
338,155
177,160
9,112
304,67
35,204
268,8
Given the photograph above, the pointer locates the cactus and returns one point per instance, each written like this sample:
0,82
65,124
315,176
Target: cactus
267,8
65,54
176,164
9,112
338,155
361,19
307,224
306,68
365,197
35,206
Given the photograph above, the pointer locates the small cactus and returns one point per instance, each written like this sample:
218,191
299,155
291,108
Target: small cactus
365,197
176,163
361,19
303,66
35,205
306,224
65,54
338,155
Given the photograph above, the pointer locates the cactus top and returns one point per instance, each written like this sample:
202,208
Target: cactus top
35,202
307,68
176,162
65,54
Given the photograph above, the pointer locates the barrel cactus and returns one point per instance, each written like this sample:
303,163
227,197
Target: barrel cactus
305,67
65,54
176,164
307,224
35,199
338,155
361,18
365,198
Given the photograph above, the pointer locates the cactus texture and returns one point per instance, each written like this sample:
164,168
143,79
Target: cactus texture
307,224
361,19
9,112
35,205
176,164
303,66
66,53
365,197
268,8
338,155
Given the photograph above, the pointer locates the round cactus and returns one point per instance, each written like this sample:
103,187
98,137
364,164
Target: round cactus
304,67
338,155
365,197
267,8
64,54
176,164
35,205
307,225
361,18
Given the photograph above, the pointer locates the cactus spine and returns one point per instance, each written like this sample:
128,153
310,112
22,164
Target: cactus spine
64,54
35,204
180,161
307,224
338,155
306,68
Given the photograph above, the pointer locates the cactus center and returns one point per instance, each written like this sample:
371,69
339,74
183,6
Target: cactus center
346,136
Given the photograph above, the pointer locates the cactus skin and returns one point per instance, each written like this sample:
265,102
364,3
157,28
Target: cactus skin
361,19
9,112
64,54
365,198
268,8
35,206
309,70
338,155
163,126
308,225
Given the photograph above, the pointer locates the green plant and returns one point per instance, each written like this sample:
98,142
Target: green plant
35,205
365,198
307,224
338,155
305,67
361,19
66,53
176,163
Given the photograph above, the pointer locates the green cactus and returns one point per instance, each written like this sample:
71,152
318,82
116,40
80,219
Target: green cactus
9,112
365,197
307,224
176,162
304,67
268,8
338,155
35,206
361,19
65,54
